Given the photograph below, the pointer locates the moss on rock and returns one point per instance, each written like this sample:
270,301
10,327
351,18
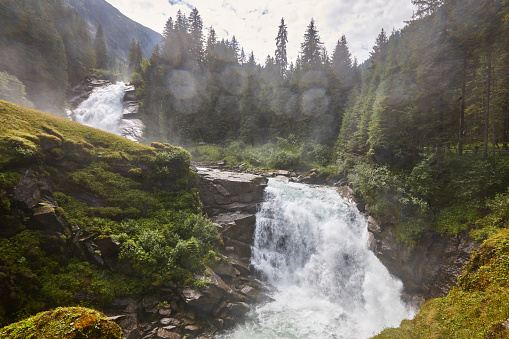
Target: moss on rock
64,323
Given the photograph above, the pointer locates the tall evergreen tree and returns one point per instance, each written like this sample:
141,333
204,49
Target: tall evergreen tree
379,53
100,49
196,36
234,44
242,58
311,48
134,58
280,53
426,7
342,61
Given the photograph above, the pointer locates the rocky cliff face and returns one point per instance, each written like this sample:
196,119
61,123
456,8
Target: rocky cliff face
429,269
230,200
169,312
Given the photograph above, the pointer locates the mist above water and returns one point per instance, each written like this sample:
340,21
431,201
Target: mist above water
103,109
312,248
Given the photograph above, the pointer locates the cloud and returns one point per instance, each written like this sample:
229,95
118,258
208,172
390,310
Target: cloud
146,4
255,23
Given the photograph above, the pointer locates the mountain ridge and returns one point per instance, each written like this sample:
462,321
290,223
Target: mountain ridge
119,32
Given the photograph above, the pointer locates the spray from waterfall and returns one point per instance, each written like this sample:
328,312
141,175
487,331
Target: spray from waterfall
103,109
312,248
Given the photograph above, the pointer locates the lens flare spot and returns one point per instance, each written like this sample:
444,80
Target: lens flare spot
315,102
182,84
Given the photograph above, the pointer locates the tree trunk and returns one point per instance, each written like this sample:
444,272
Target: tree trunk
487,111
462,109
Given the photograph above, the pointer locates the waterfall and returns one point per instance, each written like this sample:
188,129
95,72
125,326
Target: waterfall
312,248
103,109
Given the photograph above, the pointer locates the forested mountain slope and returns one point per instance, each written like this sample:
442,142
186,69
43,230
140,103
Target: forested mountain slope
118,29
45,46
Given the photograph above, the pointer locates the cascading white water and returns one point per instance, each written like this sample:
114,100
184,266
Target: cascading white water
312,247
103,109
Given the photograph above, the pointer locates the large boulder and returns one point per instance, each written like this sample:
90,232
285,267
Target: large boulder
47,218
223,192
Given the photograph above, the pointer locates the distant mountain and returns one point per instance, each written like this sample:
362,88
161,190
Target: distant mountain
118,29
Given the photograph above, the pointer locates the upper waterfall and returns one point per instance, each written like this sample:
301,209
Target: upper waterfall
103,109
312,247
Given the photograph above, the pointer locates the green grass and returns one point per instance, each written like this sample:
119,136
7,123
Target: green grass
24,130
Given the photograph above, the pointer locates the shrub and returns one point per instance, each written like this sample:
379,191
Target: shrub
284,160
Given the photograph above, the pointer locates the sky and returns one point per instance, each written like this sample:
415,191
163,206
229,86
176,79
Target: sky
255,23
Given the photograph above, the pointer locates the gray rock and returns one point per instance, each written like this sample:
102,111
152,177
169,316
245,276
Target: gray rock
149,302
131,129
91,251
240,249
165,311
48,219
27,191
130,110
250,292
108,246
238,309
237,225
122,303
164,333
429,269
225,269
229,192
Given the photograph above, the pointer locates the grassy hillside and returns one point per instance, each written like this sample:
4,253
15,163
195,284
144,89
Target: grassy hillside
87,216
477,308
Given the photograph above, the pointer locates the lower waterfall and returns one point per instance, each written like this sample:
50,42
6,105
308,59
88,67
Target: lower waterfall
311,247
103,109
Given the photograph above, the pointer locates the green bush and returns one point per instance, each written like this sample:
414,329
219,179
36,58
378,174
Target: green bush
282,159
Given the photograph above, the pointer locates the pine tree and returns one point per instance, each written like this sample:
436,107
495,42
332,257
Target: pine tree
379,53
234,44
181,22
196,35
342,61
101,52
156,55
242,58
311,48
280,53
426,7
135,57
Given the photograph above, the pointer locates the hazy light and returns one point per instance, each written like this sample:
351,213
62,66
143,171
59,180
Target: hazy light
315,101
182,84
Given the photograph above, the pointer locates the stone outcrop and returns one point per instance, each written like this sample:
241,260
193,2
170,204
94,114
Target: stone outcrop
131,127
429,269
231,200
229,192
